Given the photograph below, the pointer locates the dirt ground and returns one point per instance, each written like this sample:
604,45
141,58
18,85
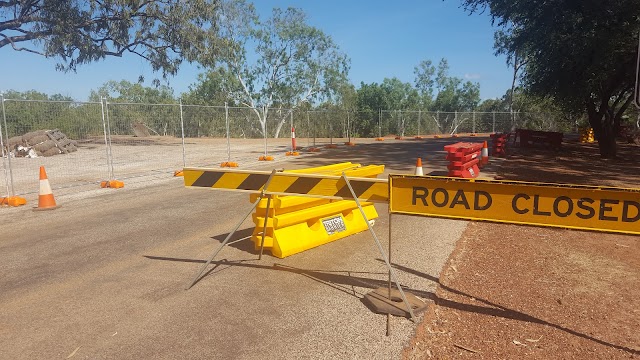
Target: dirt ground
519,292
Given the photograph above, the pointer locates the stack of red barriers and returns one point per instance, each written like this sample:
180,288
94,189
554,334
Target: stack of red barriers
499,142
463,159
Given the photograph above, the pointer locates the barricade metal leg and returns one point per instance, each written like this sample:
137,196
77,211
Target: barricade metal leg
226,240
389,279
264,229
384,256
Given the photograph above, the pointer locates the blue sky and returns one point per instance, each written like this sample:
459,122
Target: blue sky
382,38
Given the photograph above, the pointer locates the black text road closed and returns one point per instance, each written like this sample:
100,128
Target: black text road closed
558,205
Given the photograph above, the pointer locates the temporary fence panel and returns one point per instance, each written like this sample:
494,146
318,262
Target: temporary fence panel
387,123
366,124
319,127
303,126
542,122
205,134
247,140
277,131
65,137
331,126
144,139
5,186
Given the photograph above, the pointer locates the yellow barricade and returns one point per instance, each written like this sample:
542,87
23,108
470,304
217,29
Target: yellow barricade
296,224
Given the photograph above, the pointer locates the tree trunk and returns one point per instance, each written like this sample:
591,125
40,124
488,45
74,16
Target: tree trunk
604,131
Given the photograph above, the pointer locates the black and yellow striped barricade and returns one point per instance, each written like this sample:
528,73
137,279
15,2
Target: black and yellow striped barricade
295,223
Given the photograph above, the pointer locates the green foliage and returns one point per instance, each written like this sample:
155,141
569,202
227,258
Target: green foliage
127,92
451,93
213,88
32,110
134,103
80,32
582,54
294,62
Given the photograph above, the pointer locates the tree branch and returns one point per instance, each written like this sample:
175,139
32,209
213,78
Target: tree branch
12,40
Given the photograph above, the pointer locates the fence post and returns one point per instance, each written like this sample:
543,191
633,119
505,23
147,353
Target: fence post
419,120
264,113
107,135
380,123
494,122
226,119
455,122
184,152
308,130
4,162
314,129
474,121
348,127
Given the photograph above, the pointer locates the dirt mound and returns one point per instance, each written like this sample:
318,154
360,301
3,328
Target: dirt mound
41,143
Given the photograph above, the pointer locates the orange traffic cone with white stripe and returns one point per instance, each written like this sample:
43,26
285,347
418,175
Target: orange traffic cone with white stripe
484,160
45,196
419,171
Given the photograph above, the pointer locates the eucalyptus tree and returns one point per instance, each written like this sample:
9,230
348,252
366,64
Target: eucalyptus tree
281,62
452,94
582,53
163,32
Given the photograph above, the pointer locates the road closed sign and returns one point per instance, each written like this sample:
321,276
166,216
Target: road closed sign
556,205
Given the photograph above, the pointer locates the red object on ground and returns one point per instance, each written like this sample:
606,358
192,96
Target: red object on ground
464,159
530,138
498,143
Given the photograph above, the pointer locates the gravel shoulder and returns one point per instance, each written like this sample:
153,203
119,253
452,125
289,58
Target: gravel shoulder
511,291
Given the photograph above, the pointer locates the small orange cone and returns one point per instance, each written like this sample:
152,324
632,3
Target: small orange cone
45,196
419,171
484,154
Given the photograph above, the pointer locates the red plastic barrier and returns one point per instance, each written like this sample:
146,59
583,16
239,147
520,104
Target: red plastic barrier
530,138
498,144
464,159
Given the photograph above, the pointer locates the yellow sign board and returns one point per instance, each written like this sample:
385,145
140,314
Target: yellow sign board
556,205
290,183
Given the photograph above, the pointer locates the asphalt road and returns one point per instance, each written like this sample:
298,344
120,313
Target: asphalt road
103,276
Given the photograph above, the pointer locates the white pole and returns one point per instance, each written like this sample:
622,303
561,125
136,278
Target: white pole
474,121
348,126
104,128
494,122
226,117
184,154
108,135
379,123
265,130
4,162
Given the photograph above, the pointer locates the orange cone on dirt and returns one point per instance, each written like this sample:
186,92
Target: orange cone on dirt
484,154
419,171
45,196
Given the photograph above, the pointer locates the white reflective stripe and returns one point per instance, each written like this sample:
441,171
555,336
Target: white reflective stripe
293,135
45,188
485,152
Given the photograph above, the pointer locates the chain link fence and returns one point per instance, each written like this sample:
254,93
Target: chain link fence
84,143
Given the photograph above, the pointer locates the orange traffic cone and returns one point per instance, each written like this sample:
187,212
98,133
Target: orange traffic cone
484,154
45,197
419,171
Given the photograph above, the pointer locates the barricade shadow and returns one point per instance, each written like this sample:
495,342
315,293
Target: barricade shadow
241,240
500,311
346,281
